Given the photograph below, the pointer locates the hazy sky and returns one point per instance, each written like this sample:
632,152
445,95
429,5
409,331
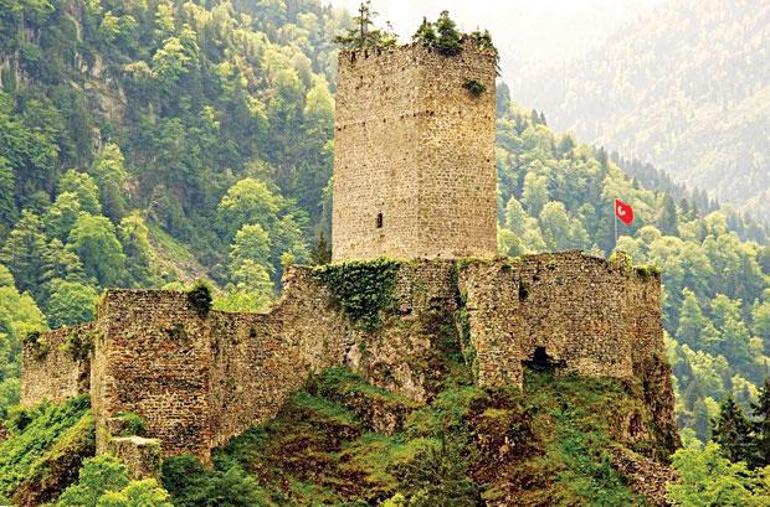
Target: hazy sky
527,32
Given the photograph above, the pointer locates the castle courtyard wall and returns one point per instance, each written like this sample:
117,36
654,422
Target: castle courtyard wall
52,370
199,379
588,314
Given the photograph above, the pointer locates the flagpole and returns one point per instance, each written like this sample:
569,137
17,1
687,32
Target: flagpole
615,215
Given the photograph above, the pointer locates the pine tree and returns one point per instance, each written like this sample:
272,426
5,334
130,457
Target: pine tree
732,431
449,40
425,34
364,35
760,410
321,253
669,223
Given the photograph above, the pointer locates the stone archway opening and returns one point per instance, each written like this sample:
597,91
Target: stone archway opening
540,360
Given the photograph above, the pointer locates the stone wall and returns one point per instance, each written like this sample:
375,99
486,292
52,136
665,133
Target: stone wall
197,380
413,144
153,359
53,369
591,317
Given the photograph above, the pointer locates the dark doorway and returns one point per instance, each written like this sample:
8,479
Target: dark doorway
541,361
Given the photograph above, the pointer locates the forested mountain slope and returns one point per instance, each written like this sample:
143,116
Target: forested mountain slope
686,87
150,143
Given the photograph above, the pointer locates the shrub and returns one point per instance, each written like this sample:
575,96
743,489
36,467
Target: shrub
475,87
199,297
130,424
190,484
98,476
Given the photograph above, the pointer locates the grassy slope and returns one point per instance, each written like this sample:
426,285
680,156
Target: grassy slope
44,450
549,445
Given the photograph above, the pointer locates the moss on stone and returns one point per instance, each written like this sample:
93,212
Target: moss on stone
128,424
79,343
475,87
362,288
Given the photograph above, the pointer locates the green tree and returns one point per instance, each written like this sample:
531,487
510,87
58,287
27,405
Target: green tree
70,303
135,237
146,492
61,217
535,194
95,242
363,35
24,251
251,243
111,177
694,327
425,34
249,201
760,411
84,187
669,220
449,39
733,432
706,477
61,263
8,211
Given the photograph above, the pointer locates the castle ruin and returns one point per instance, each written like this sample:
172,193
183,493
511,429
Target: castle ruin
414,181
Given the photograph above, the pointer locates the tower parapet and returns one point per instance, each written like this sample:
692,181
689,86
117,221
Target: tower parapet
414,169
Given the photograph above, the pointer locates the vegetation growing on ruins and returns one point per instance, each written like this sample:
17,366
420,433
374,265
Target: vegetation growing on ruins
219,135
130,424
200,298
363,288
475,87
322,449
38,436
364,34
147,143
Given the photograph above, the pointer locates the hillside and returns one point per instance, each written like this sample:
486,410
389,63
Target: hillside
342,441
146,144
686,87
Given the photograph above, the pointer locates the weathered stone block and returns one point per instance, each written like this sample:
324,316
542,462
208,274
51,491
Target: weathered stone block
143,457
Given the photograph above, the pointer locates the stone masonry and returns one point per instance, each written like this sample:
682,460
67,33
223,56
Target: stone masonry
414,154
197,380
414,180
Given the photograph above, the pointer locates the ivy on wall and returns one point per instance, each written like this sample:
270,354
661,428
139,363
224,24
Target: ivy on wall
362,288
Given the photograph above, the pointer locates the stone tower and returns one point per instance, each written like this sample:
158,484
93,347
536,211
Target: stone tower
414,159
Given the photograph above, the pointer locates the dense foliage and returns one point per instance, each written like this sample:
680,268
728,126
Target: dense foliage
327,447
35,437
154,143
103,482
687,87
555,194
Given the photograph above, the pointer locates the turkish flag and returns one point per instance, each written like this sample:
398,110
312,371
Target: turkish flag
624,212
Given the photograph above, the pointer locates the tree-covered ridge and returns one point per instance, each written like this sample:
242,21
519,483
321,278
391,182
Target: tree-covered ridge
151,143
687,87
555,194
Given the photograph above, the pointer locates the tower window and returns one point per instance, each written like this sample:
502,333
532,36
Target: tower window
379,220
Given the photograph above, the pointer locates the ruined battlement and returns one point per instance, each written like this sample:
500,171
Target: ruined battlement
197,379
414,164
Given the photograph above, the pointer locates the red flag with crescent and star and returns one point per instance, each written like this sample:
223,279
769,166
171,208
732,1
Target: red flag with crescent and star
624,212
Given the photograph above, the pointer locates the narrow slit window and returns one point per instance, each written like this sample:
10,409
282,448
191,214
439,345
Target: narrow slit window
379,220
